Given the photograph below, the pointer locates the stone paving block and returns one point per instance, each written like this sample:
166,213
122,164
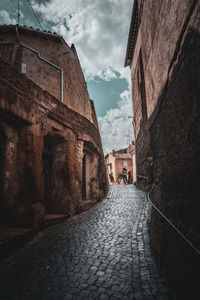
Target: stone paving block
84,294
148,297
102,254
67,297
118,295
104,297
138,296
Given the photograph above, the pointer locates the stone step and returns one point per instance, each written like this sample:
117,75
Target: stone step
51,219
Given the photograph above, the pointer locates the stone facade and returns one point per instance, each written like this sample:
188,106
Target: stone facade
45,58
131,151
51,158
115,162
163,53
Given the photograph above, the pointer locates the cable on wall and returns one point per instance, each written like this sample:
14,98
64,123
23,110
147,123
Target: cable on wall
179,232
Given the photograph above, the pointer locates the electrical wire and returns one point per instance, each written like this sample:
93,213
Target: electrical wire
179,232
18,14
35,14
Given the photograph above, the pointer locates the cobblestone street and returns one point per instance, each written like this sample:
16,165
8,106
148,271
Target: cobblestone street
102,254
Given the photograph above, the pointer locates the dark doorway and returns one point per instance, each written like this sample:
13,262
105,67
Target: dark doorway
56,172
84,177
2,157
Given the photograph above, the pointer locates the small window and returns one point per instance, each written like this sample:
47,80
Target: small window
125,163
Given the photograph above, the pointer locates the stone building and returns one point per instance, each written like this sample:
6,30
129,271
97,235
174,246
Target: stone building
115,162
131,151
51,158
163,54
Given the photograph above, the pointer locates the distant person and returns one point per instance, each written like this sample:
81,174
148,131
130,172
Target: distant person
119,181
111,177
124,175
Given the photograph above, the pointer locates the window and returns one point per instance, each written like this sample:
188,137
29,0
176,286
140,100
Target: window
125,164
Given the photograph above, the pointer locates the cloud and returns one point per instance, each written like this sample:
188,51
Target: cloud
107,74
99,30
5,18
116,126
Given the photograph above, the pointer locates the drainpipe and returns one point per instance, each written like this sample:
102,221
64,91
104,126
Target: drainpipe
134,132
45,60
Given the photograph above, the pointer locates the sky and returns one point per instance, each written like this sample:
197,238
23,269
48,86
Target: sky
99,29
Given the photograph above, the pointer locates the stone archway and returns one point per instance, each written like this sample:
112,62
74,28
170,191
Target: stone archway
57,175
90,178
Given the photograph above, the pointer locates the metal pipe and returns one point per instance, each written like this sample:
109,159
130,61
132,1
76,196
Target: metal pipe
134,132
141,176
45,60
61,85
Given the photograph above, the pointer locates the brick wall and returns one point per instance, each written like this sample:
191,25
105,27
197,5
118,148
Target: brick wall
54,49
42,149
168,43
176,165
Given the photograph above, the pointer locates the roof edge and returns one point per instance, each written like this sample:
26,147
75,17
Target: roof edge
132,34
31,29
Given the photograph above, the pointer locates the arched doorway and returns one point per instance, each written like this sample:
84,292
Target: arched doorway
57,175
90,172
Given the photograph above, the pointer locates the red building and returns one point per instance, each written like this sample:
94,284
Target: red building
51,158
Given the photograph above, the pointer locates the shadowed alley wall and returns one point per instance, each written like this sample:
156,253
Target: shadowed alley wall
163,53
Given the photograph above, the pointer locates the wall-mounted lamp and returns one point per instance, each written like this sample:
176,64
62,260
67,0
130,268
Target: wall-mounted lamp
150,158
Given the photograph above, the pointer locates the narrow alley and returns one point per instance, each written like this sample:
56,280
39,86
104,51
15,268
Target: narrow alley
102,254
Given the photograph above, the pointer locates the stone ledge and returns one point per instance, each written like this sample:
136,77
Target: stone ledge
51,219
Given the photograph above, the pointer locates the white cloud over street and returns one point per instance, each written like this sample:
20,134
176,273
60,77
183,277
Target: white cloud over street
5,18
116,126
99,30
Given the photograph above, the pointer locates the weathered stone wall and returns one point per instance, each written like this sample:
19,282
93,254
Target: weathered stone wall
160,27
42,149
176,150
131,151
54,49
168,42
142,143
94,116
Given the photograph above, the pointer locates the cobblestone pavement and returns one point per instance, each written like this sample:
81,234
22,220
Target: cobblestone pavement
102,254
